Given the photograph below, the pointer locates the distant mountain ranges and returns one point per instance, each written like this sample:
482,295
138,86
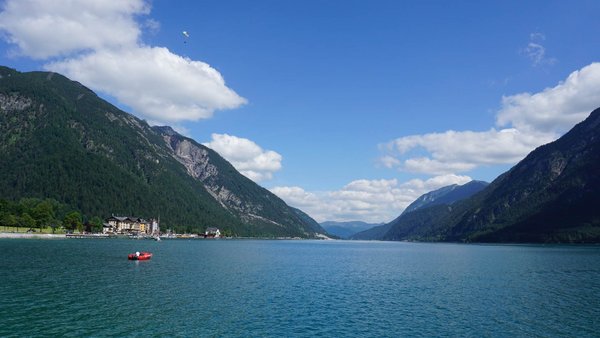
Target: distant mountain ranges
444,196
345,230
59,140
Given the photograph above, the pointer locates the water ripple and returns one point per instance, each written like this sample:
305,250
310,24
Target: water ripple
77,288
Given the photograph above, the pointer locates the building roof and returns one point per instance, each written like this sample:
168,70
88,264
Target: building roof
127,218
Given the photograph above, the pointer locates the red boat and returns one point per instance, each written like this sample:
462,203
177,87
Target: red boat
140,256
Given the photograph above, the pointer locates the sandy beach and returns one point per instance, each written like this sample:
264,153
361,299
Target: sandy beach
30,235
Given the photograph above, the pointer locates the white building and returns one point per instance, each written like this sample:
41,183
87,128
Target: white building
212,233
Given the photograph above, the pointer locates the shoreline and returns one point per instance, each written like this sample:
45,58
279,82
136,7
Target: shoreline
30,235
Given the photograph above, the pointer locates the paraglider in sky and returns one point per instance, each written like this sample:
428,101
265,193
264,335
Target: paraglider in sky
187,35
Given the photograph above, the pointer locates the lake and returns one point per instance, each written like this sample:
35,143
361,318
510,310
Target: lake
269,288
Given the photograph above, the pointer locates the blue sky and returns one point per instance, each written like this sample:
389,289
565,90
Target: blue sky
348,110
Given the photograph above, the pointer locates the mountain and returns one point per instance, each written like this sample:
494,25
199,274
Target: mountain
419,225
310,224
345,230
375,233
552,195
59,140
417,216
446,195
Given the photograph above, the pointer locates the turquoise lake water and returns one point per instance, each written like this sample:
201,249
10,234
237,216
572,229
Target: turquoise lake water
253,288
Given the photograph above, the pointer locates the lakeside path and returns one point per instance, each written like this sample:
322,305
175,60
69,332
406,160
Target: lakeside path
30,235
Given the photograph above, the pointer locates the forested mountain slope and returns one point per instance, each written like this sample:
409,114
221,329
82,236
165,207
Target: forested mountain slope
60,140
552,195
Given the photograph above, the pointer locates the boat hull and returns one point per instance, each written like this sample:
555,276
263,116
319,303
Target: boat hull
144,256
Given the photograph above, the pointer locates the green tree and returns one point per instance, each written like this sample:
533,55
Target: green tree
227,233
27,204
27,221
43,213
9,220
55,224
96,223
73,221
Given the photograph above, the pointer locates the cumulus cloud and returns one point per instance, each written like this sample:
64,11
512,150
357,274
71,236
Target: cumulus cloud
529,120
453,151
554,110
389,161
98,44
43,29
152,80
246,156
301,199
372,201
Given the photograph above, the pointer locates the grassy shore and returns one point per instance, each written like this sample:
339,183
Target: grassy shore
22,232
47,230
29,235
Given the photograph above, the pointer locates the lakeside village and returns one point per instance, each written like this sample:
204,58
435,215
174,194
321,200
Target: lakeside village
139,228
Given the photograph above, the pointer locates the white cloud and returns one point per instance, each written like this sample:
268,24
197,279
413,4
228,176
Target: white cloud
152,26
435,167
97,43
530,120
372,201
554,110
389,161
536,52
452,151
43,29
152,80
298,197
246,156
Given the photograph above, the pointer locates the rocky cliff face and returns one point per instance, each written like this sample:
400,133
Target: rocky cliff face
14,102
233,191
196,160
